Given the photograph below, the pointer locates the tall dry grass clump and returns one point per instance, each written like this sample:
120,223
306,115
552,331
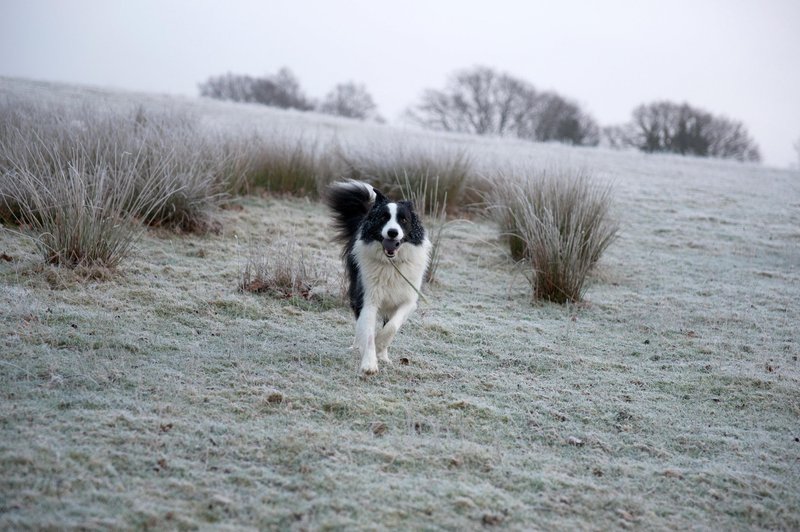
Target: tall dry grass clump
276,165
82,179
433,211
191,169
444,173
82,215
157,149
559,224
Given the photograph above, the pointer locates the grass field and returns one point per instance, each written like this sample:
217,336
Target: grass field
161,396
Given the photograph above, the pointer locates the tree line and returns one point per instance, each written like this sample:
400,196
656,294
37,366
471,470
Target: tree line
484,101
348,99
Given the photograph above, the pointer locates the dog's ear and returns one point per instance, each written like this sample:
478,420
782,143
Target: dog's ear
409,204
379,197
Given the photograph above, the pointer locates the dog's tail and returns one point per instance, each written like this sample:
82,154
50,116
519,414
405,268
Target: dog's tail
350,201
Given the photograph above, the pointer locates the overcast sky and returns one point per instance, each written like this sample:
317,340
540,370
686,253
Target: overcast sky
739,58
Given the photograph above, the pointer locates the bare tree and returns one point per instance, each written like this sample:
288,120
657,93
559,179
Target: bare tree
665,126
479,101
618,137
228,87
729,139
679,128
557,119
483,101
279,90
288,93
350,100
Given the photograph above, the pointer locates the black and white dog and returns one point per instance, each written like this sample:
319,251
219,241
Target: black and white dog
384,241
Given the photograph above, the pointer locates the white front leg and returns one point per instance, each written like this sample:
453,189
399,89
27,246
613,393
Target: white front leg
365,339
386,334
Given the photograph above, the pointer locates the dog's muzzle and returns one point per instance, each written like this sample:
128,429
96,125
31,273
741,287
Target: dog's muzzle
390,246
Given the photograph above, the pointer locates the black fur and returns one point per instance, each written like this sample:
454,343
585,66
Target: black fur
350,204
355,288
379,215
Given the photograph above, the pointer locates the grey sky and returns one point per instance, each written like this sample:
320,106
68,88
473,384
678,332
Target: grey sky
737,57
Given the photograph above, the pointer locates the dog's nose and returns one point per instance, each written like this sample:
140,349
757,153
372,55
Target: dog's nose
391,233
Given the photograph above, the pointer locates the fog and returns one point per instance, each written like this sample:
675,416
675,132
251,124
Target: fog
737,59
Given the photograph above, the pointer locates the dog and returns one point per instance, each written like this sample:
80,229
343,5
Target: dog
386,254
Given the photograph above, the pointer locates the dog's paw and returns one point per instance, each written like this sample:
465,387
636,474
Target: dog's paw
369,367
367,371
383,356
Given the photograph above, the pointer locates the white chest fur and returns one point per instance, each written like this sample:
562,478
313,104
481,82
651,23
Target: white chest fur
383,286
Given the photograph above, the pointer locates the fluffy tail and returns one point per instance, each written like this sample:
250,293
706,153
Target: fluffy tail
350,201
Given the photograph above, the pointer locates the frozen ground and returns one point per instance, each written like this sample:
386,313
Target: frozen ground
165,398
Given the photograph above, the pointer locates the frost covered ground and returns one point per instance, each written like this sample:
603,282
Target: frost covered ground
163,397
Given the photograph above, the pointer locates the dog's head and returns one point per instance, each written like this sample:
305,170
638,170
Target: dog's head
392,224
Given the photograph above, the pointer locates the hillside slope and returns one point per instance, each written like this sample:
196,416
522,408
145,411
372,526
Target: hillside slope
164,397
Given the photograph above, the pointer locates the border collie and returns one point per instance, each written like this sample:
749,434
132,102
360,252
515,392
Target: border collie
384,241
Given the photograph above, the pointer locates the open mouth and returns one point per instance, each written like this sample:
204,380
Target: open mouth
390,247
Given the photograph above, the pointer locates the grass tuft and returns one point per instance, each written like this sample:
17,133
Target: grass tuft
443,173
281,166
433,211
81,180
558,224
78,218
161,155
283,271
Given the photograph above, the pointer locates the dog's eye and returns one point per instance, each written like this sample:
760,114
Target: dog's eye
402,220
385,217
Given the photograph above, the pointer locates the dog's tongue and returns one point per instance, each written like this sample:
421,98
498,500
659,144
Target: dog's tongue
390,246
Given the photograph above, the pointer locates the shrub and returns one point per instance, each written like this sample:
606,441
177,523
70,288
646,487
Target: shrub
558,225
